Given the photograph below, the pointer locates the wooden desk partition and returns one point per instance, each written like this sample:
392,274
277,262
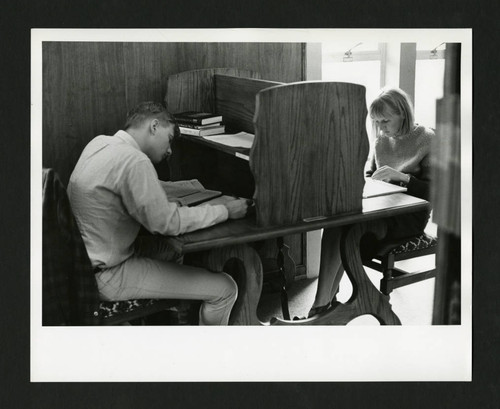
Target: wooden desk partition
235,100
195,90
309,151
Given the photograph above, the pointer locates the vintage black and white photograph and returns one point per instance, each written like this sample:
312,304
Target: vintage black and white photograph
225,199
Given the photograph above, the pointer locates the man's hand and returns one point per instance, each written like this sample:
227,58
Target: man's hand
237,208
388,174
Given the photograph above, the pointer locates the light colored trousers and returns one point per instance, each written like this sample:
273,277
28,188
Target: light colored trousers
155,272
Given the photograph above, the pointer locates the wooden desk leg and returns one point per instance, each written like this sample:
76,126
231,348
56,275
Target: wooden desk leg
286,267
243,264
366,298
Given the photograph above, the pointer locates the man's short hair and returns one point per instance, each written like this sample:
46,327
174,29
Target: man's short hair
150,110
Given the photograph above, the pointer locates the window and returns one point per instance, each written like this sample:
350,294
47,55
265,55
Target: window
429,81
358,63
362,66
376,65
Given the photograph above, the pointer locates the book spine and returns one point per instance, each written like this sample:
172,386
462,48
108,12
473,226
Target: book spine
207,120
212,131
194,121
189,131
194,126
202,132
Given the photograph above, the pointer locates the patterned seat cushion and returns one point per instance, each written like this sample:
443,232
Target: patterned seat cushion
407,245
421,242
108,309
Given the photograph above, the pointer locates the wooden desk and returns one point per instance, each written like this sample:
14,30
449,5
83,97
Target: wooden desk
308,156
227,247
307,160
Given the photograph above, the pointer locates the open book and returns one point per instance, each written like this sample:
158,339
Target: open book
188,192
375,187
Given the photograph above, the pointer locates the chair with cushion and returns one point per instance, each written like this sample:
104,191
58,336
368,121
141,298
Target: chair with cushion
390,252
69,289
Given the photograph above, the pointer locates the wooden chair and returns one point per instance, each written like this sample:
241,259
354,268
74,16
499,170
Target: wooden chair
69,294
390,252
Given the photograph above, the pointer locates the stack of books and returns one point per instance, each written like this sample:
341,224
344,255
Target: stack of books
199,123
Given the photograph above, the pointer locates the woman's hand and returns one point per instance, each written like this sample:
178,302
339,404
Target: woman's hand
388,174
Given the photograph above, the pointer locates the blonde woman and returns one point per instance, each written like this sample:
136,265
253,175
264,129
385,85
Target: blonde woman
401,156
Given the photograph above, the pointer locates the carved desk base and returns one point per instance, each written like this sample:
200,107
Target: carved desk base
244,264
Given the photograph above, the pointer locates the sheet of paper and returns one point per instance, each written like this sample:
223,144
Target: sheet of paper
379,188
238,140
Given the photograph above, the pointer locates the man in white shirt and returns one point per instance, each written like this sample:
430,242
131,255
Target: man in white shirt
114,190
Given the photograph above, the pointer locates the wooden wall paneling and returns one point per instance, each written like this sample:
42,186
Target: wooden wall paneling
145,65
282,61
235,100
107,101
190,91
88,87
317,130
192,56
195,90
54,99
274,61
83,96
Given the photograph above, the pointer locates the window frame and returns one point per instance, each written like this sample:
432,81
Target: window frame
357,56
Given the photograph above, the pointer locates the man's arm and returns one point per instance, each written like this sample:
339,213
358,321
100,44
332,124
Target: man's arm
147,202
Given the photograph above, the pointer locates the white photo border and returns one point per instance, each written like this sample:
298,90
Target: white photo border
234,354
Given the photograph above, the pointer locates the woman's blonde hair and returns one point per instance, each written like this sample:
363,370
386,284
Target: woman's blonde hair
395,101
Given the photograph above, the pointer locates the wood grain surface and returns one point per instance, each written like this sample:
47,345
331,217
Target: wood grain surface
247,231
235,100
244,265
82,98
365,298
309,152
88,87
195,90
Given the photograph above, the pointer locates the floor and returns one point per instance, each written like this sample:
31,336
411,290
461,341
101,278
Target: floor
412,304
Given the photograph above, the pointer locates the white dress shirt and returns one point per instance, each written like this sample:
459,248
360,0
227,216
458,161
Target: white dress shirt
114,189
